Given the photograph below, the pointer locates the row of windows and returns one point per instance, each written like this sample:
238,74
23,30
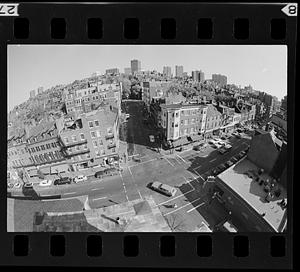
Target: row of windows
44,147
95,123
213,125
47,157
74,138
77,148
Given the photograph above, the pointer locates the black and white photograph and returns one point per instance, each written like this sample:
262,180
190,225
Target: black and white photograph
147,138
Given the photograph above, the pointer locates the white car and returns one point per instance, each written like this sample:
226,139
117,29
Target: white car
45,182
80,178
17,185
218,145
228,146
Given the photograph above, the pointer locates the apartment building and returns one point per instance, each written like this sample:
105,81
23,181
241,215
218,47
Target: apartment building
213,120
89,99
179,120
92,139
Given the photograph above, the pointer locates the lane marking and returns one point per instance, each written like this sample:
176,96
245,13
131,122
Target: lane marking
133,180
94,189
190,203
94,199
189,182
213,160
177,160
198,167
196,207
176,197
71,193
124,187
182,159
173,165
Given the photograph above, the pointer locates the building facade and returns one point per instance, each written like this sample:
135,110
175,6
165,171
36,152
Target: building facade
178,120
179,71
135,66
167,71
92,140
112,71
198,76
221,80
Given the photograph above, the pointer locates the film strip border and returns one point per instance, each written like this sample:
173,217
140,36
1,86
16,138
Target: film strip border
219,250
131,23
150,24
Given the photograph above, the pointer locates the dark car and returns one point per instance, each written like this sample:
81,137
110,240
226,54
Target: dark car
61,181
222,150
196,147
229,163
106,172
222,167
242,153
216,171
234,160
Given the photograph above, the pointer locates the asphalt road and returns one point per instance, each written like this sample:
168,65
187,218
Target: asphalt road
182,170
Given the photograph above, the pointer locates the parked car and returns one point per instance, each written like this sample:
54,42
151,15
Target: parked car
212,141
28,185
17,185
222,167
181,148
162,188
236,134
80,178
229,163
228,146
222,150
216,171
217,145
61,181
106,172
45,182
197,147
243,153
234,160
10,185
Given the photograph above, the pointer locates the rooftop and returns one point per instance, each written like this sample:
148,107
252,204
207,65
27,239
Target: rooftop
251,192
179,106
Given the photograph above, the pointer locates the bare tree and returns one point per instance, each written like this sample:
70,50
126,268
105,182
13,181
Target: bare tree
176,222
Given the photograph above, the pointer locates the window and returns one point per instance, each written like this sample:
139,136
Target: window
93,134
95,143
185,131
48,146
97,153
37,148
181,122
96,123
193,121
102,152
82,136
85,146
186,121
100,142
176,125
98,133
109,130
77,148
74,138
66,140
32,150
176,114
42,147
53,145
172,124
91,124
113,150
88,155
79,157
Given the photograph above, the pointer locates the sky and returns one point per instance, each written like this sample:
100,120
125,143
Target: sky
264,67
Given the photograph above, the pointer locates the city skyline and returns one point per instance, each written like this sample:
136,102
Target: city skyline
66,63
